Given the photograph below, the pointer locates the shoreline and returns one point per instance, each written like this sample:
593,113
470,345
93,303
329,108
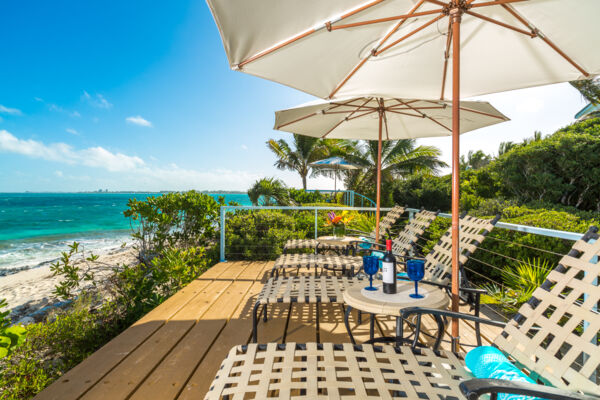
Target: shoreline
29,291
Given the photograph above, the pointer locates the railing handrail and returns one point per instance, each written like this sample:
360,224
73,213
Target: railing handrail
346,192
555,233
504,225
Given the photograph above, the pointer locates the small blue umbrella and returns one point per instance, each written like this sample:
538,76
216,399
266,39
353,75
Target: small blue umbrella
335,164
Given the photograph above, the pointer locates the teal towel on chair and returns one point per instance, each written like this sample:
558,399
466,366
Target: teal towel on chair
487,362
402,275
367,242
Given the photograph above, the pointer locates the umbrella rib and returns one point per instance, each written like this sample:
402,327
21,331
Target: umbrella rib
425,25
495,3
482,113
507,26
544,38
423,115
446,57
306,33
313,114
381,42
405,113
387,19
349,117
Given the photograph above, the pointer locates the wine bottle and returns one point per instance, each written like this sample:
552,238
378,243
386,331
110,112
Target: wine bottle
389,269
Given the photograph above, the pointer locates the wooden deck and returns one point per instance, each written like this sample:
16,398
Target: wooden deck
175,350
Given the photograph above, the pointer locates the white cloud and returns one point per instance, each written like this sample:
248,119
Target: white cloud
72,131
59,109
530,105
244,147
97,100
134,173
11,111
58,173
97,157
138,120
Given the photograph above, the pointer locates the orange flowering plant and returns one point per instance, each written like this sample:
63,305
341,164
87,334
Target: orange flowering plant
337,220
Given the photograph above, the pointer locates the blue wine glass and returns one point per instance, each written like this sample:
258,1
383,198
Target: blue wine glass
370,266
415,269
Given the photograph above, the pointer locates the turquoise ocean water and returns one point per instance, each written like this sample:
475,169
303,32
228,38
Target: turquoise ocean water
36,227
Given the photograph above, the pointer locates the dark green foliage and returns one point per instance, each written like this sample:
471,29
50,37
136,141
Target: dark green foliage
300,196
269,192
10,336
260,235
431,192
562,168
185,219
52,348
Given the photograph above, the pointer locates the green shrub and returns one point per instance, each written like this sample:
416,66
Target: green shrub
301,196
140,288
186,219
54,347
10,336
260,235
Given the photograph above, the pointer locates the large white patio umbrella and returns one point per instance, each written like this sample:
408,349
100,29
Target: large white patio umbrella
377,118
388,48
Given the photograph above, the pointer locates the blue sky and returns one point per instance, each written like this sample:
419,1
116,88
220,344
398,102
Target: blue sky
137,95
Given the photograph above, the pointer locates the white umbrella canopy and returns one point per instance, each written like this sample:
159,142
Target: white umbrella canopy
344,48
375,118
358,118
411,48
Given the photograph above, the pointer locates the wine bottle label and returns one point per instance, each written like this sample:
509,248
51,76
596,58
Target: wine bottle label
388,271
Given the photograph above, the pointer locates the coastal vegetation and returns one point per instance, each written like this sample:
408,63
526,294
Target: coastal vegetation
175,239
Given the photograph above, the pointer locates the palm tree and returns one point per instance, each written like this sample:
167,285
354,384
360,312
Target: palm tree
589,89
474,160
297,157
505,147
272,191
399,158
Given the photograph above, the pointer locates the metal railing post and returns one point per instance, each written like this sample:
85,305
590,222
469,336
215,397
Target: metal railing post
223,211
316,217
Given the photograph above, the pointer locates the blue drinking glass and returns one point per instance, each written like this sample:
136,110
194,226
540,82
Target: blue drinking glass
415,269
370,266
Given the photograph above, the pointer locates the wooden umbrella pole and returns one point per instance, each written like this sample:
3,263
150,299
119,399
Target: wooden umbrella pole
455,15
377,213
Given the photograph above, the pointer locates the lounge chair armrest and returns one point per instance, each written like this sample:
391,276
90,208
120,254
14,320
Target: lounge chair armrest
462,289
363,233
450,314
474,388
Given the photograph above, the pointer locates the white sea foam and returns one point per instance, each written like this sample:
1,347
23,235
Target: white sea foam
16,256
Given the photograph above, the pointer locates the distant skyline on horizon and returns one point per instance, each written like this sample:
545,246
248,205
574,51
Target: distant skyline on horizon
123,96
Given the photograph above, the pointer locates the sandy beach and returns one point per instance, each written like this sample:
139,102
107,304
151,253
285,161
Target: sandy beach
31,290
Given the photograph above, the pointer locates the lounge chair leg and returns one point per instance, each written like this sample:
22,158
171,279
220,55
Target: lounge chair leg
359,317
477,324
347,323
255,322
265,313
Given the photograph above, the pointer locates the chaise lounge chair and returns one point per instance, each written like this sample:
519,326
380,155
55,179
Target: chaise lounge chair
328,289
554,337
402,246
385,223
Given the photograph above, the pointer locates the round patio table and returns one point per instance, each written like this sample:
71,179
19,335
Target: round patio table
379,303
337,240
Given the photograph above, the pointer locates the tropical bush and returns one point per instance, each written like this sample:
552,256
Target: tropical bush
185,219
260,235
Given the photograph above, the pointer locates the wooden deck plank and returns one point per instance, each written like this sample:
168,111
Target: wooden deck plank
172,373
167,380
175,350
125,377
237,331
79,379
